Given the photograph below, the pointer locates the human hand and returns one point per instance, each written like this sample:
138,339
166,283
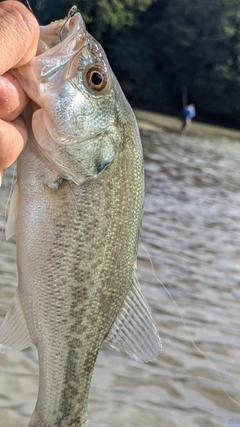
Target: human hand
19,34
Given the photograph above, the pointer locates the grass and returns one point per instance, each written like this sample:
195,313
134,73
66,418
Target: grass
163,123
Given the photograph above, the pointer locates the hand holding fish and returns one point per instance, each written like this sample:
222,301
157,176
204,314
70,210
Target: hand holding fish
19,34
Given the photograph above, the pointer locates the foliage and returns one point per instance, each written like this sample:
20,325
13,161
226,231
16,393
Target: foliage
185,44
100,14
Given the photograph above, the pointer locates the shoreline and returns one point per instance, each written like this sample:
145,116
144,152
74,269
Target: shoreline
164,123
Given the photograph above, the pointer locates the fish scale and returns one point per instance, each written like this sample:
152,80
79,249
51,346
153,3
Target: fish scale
76,210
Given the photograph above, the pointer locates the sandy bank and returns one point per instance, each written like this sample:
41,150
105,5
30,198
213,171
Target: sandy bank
163,123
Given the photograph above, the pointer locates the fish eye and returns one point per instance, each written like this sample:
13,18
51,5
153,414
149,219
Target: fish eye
96,79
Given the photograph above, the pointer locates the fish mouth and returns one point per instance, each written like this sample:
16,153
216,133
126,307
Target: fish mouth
59,43
58,31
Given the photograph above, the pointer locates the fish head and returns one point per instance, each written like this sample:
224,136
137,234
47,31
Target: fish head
81,111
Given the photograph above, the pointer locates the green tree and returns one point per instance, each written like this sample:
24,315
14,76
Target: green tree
100,15
197,52
183,44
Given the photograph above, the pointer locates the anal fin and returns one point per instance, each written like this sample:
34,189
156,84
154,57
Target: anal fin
134,331
14,334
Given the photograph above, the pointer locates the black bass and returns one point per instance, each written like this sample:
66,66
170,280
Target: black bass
76,210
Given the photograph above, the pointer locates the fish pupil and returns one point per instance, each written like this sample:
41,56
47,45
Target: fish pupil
97,78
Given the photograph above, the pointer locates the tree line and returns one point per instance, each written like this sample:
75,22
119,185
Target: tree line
166,52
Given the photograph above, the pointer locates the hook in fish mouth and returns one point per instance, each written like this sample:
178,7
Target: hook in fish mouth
70,14
62,32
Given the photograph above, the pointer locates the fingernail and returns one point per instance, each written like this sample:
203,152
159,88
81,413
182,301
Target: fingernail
1,176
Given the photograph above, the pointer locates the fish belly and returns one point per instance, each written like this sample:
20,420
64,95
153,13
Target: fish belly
73,281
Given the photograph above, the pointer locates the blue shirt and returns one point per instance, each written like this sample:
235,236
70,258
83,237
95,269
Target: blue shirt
189,112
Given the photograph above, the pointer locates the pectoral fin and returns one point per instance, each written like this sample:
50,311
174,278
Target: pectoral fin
14,334
13,211
134,331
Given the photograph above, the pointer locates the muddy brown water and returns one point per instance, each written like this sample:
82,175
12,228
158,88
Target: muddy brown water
191,232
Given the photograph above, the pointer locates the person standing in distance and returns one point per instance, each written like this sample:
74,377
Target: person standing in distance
188,113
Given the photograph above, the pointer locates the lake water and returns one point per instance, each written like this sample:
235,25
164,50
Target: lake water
191,232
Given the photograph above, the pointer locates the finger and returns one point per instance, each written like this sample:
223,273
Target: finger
13,99
13,137
19,34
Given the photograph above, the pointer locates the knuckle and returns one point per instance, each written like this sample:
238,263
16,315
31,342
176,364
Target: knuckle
29,22
15,13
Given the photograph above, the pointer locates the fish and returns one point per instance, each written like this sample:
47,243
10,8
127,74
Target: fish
76,211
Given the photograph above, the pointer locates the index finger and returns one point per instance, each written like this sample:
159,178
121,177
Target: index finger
19,34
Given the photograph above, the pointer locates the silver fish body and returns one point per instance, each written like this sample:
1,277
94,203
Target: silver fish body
77,212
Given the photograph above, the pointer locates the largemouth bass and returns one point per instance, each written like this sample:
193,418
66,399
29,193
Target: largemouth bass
76,210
